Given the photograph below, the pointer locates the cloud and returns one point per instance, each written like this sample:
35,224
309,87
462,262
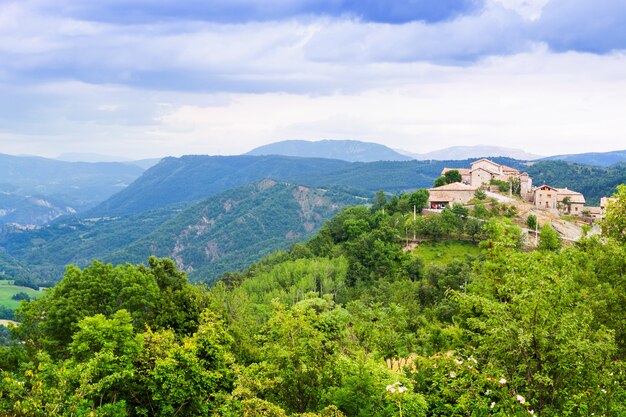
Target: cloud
246,11
178,77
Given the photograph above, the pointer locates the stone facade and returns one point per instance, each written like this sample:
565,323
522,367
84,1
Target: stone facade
545,197
484,170
449,194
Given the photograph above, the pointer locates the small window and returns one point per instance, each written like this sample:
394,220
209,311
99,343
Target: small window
549,195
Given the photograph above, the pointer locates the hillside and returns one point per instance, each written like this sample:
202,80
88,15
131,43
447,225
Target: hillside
35,190
225,232
346,150
235,228
602,159
351,323
189,178
593,181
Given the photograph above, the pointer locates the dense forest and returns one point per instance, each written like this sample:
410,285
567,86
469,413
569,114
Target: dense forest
347,324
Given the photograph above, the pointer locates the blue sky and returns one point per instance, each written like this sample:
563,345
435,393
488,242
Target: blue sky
146,78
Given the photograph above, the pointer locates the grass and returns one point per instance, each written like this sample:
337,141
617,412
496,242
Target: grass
446,251
8,290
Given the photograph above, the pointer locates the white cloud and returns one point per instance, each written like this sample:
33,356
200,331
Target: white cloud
529,9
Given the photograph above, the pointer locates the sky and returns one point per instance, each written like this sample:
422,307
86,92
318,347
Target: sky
151,78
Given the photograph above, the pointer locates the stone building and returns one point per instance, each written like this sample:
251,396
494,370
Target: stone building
484,170
449,194
562,199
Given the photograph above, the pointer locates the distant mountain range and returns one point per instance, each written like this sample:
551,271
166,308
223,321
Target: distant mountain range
36,190
357,151
477,151
346,150
602,159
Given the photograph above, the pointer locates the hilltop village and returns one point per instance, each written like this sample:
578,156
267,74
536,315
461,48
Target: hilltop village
489,176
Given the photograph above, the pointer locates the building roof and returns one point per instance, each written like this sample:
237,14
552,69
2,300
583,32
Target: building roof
509,169
503,168
462,171
594,210
545,185
574,196
455,186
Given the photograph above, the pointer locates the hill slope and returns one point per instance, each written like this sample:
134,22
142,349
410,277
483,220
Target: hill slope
347,150
189,178
35,190
225,232
602,159
593,181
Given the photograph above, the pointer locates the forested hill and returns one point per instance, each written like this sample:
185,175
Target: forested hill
348,324
225,232
195,177
603,159
593,181
189,178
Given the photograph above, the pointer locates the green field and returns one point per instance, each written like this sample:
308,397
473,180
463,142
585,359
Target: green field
444,252
7,290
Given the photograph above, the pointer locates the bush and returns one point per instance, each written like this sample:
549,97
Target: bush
21,296
503,186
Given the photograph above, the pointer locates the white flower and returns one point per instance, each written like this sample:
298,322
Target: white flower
471,358
502,381
452,374
458,361
603,391
520,399
493,404
488,392
532,411
402,389
389,387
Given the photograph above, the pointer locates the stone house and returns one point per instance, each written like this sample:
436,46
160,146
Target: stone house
484,170
563,199
570,201
545,196
449,194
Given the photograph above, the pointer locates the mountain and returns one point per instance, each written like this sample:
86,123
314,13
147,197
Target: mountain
89,157
195,177
478,151
602,159
96,157
225,232
346,150
35,190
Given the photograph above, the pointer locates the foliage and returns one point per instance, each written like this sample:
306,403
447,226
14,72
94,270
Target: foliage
549,239
531,222
614,222
503,186
335,326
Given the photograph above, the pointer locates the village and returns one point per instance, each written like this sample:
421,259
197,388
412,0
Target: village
488,176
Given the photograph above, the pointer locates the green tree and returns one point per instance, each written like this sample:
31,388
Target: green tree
380,200
418,199
452,176
549,239
531,221
440,181
614,222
